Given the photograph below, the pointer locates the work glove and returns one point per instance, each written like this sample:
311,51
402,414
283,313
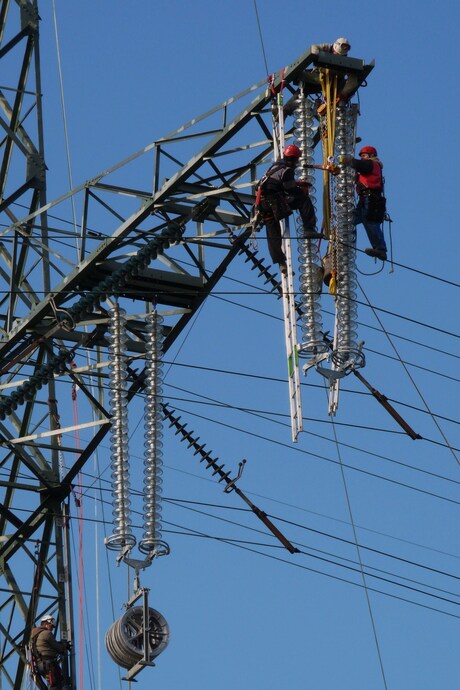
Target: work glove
344,159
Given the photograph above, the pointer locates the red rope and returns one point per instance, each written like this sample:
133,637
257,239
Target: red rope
271,82
79,505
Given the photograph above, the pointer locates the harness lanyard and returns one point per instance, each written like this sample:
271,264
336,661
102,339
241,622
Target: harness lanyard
271,81
277,97
387,218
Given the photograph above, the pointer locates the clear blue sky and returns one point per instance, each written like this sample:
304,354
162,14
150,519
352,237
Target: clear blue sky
250,615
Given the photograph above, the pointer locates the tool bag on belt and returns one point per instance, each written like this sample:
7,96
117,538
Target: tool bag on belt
377,206
271,204
275,206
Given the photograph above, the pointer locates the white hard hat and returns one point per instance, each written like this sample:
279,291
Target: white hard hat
341,46
49,619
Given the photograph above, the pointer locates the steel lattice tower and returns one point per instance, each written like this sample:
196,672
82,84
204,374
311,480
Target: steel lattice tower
164,246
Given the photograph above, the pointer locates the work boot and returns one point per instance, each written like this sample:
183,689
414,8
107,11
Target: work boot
312,234
377,253
283,268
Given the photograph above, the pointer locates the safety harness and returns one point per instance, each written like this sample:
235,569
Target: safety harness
376,208
42,667
273,204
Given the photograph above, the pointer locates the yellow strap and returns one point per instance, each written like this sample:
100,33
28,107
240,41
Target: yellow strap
332,284
329,88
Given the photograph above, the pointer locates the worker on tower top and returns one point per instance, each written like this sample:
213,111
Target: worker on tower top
278,194
340,47
371,207
348,83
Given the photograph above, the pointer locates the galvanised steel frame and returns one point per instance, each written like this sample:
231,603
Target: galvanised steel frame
164,245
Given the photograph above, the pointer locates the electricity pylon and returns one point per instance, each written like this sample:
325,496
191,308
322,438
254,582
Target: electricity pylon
157,246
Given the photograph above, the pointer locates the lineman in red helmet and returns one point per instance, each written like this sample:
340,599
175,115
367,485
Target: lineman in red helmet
280,194
370,210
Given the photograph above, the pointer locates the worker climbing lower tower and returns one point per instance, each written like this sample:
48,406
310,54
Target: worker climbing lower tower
45,654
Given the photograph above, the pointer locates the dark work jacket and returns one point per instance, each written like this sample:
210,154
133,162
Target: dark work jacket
44,644
280,179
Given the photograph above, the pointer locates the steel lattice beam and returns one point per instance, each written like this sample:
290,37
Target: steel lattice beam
208,196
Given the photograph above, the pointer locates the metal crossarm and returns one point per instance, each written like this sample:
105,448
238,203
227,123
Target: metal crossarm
148,244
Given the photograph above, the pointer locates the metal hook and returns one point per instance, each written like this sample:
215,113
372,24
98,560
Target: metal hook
231,485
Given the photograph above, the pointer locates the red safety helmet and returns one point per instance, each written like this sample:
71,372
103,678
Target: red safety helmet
368,149
292,151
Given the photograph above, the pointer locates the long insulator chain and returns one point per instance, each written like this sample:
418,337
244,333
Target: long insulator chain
153,438
85,305
276,285
27,391
225,476
119,453
346,354
264,271
116,280
309,257
193,443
